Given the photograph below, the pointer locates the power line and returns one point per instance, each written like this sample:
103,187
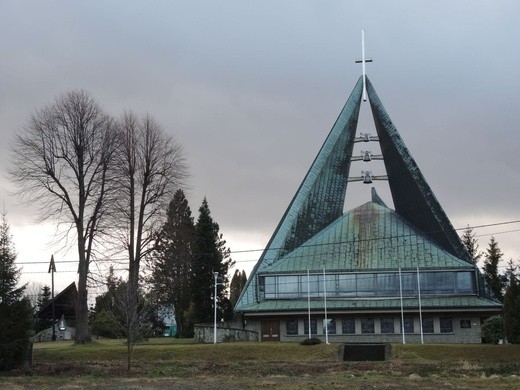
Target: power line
118,260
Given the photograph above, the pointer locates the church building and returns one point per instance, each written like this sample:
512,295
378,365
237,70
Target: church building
373,273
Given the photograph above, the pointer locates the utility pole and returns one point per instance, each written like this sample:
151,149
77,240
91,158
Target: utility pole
52,269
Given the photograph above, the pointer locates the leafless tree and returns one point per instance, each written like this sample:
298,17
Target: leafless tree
60,162
149,167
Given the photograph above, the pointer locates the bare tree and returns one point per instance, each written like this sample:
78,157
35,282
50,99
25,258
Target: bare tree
150,166
60,162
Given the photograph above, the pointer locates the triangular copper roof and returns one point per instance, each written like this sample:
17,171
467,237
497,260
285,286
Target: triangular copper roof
319,202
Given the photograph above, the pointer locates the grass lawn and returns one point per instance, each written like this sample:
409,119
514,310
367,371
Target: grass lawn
170,363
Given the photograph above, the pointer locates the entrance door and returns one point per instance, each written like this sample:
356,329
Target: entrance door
270,330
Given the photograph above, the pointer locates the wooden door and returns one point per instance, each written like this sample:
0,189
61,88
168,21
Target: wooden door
270,330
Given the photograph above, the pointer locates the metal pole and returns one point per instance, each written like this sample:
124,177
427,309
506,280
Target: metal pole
402,311
309,301
52,269
420,305
215,314
325,302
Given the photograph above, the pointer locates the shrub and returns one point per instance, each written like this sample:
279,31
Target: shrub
311,341
493,329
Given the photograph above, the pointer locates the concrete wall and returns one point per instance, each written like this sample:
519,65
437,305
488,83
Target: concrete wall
204,334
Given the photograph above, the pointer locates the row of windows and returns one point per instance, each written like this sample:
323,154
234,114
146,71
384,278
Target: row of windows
387,325
366,284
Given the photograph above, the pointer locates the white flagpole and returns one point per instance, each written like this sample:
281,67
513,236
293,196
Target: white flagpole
325,302
420,306
309,301
402,311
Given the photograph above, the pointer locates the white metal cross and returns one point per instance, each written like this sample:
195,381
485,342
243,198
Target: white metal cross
363,60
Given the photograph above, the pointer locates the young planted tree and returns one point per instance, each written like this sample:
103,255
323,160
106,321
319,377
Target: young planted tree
492,259
471,244
15,311
171,277
60,162
211,255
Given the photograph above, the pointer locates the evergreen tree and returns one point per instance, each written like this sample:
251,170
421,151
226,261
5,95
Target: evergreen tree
237,285
44,297
15,311
491,263
172,267
9,274
211,255
512,310
471,244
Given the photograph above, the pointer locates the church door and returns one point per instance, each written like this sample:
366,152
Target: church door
270,330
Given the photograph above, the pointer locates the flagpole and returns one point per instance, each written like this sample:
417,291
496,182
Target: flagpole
420,305
402,311
309,301
325,303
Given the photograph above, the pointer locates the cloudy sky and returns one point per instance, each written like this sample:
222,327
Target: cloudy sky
252,88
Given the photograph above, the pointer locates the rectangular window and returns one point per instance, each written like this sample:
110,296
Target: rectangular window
465,282
314,326
348,326
387,325
313,282
347,285
270,287
330,324
427,324
291,327
366,285
465,324
446,325
288,287
367,325
409,283
388,285
408,325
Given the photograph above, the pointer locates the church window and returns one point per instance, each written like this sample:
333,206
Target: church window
367,325
348,326
292,327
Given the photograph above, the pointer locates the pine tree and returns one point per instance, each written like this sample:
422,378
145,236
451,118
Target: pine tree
172,267
471,244
15,311
491,263
512,310
211,255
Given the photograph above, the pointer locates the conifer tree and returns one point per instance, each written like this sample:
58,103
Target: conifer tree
15,311
211,255
491,273
9,274
471,244
172,265
512,310
238,281
44,297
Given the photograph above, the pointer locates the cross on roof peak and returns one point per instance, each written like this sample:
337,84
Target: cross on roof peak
363,60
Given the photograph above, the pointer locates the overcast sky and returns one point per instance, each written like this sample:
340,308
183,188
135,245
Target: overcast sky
252,88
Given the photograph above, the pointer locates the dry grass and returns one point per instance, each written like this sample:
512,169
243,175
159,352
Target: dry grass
168,363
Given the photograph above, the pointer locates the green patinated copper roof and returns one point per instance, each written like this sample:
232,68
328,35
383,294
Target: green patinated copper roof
313,231
413,198
427,304
369,237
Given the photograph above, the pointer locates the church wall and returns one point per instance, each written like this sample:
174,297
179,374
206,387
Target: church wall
464,328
